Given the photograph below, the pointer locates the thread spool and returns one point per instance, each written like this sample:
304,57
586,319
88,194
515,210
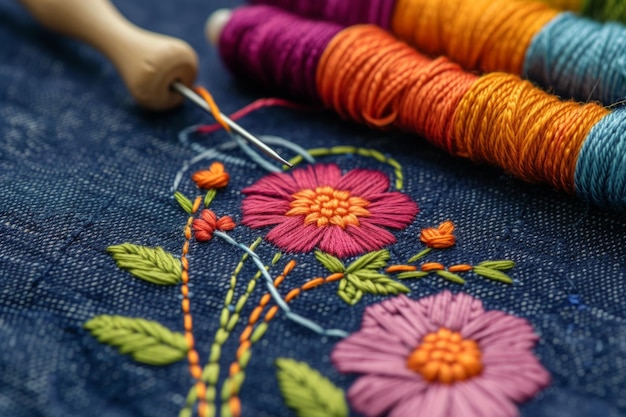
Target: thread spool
366,75
565,54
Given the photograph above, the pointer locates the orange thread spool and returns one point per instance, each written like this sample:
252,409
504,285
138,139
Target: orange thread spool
532,134
490,35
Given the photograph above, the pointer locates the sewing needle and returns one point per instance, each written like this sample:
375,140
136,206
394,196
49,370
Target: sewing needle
191,95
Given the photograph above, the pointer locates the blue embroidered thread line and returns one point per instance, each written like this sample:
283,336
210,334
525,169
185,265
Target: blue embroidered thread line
309,324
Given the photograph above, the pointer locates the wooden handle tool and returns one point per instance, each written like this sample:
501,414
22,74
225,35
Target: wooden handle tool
157,69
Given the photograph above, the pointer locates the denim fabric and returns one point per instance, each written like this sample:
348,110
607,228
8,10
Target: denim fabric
82,168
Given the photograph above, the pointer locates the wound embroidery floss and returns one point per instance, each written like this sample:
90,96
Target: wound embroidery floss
572,56
366,75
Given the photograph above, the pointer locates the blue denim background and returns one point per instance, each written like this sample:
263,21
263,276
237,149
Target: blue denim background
82,168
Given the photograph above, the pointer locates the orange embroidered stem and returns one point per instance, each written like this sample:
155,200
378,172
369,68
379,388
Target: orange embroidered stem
401,268
192,356
432,266
252,334
460,268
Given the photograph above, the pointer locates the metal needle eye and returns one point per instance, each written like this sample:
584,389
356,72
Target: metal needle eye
191,95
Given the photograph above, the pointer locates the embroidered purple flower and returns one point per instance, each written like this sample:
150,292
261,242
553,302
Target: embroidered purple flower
441,356
318,207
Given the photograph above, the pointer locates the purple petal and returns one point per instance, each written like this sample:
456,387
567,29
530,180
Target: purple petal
365,183
436,401
373,396
459,311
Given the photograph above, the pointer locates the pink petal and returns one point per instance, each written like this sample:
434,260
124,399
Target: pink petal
257,204
492,394
372,343
364,183
259,221
339,242
461,405
273,185
394,210
327,174
316,175
292,235
369,236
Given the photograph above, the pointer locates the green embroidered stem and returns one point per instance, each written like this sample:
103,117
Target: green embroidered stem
210,195
184,202
362,276
154,265
210,374
146,341
451,277
369,153
307,392
419,255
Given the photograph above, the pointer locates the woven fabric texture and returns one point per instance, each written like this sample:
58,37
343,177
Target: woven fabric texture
82,169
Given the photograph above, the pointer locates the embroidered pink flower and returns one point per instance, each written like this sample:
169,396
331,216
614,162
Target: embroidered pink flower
441,356
208,223
318,207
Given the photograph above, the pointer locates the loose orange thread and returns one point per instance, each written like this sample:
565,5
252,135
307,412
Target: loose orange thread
215,111
444,356
192,356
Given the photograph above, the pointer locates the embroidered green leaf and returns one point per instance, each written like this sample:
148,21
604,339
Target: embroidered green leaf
184,202
210,195
411,274
419,255
349,293
451,277
372,260
373,282
493,274
501,265
307,392
146,341
154,265
330,262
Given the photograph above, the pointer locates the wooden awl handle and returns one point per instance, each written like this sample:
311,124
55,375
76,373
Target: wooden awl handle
148,62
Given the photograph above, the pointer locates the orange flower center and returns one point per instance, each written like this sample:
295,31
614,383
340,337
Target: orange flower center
327,206
446,357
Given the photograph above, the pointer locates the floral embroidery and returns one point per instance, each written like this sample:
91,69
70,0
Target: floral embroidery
214,177
318,207
443,355
440,237
208,223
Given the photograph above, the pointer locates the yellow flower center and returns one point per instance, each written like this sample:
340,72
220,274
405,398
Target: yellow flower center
446,357
327,206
